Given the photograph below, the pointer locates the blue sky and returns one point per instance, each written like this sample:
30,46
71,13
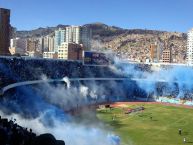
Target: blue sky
169,15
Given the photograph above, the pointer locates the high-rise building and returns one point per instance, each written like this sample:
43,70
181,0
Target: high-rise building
166,56
73,34
4,31
70,51
45,43
154,53
40,44
51,44
156,50
80,35
60,37
190,47
86,37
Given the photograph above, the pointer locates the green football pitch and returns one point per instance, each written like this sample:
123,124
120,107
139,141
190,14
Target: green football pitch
156,125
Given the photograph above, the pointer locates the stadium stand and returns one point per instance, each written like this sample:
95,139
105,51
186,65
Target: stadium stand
13,134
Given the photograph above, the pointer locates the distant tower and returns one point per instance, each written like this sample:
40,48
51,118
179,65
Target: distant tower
79,35
155,51
60,37
166,56
167,52
4,31
190,47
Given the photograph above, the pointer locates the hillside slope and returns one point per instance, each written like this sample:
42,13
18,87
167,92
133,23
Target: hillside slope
128,43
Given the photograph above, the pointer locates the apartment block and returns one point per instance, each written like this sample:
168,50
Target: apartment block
166,56
4,31
70,51
190,48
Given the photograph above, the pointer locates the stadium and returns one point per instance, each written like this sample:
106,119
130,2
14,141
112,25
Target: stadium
116,104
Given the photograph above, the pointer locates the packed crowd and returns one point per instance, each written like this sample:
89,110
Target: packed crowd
21,69
13,134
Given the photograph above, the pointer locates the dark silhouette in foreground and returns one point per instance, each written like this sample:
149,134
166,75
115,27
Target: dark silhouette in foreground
13,134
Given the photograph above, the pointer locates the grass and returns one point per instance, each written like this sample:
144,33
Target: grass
139,129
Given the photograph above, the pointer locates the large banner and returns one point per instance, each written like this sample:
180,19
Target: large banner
97,58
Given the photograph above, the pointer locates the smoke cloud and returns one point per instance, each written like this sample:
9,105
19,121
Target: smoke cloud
170,79
43,108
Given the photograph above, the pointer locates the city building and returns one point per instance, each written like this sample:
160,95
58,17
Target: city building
60,37
40,44
166,56
70,51
86,37
80,35
51,44
52,55
4,31
45,43
155,52
73,34
18,46
190,47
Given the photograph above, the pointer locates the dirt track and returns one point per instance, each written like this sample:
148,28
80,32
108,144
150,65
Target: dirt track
122,104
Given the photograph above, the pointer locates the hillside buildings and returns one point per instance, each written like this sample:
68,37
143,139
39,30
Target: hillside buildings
4,31
190,47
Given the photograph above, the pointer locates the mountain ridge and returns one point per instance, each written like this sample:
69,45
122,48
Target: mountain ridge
128,43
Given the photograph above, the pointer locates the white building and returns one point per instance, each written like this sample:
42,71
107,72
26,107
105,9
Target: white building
73,34
190,48
79,35
60,37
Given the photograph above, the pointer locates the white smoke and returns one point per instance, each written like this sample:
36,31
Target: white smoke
67,81
72,133
52,119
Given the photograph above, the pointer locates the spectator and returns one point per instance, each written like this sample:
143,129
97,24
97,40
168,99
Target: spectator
13,134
